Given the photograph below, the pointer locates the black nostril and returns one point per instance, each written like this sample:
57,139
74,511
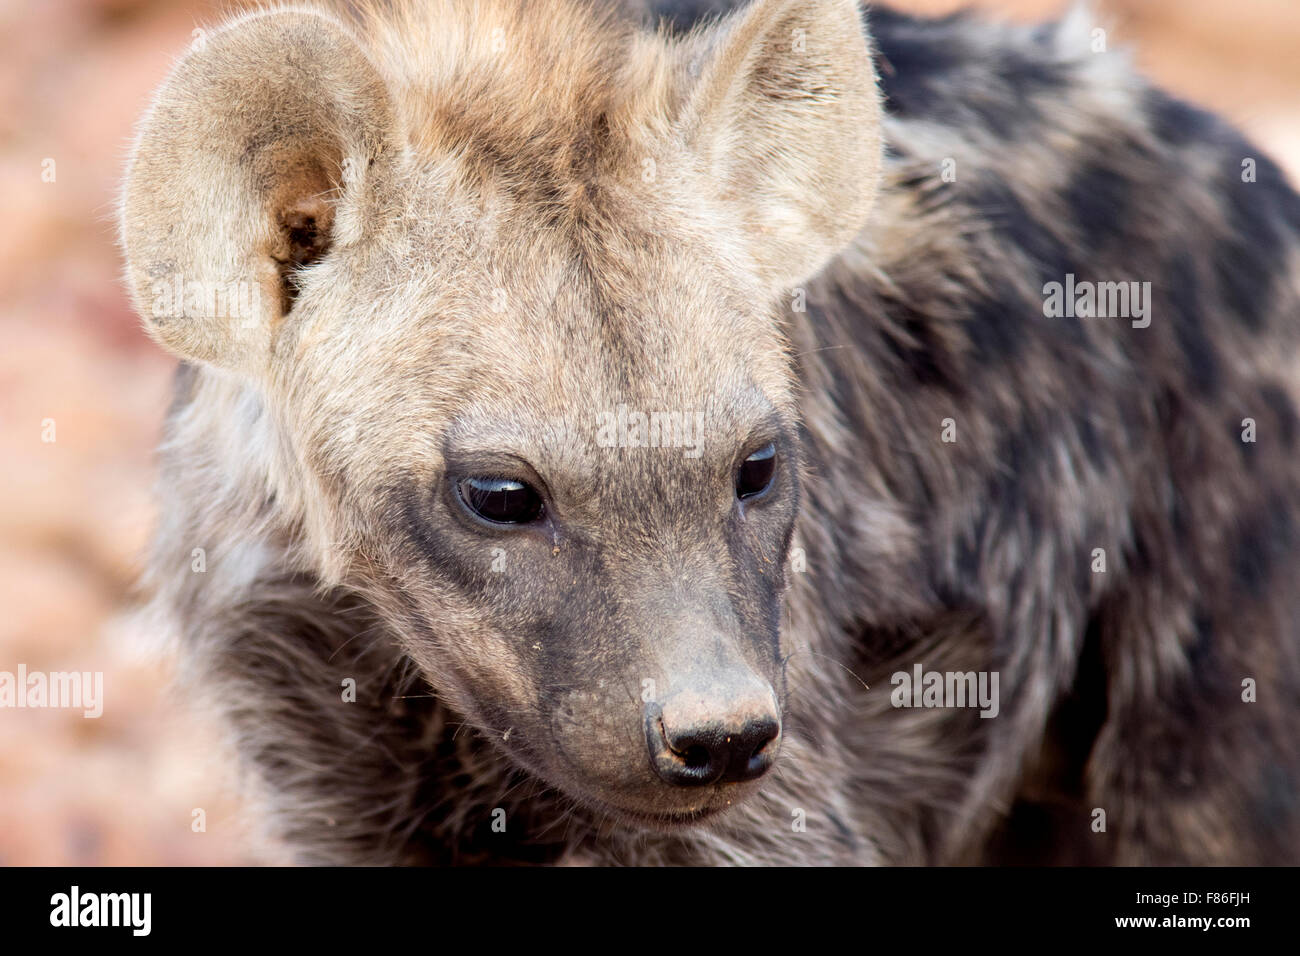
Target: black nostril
709,753
684,760
697,758
754,750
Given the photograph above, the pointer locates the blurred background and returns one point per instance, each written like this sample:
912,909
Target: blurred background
75,512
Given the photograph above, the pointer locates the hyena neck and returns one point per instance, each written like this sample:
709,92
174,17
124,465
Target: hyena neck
361,761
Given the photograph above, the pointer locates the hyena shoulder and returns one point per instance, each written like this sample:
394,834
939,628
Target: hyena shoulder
1025,164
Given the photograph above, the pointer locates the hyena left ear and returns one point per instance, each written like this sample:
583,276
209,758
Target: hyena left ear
786,117
272,141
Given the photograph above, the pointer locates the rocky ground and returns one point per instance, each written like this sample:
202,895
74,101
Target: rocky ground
75,511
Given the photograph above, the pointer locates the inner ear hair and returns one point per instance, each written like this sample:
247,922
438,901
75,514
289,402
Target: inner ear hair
306,224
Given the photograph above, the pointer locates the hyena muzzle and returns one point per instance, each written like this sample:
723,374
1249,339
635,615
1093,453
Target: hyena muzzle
593,416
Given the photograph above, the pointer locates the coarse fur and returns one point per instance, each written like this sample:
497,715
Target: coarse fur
475,225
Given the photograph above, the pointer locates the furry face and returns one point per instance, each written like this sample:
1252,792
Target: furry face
529,364
548,470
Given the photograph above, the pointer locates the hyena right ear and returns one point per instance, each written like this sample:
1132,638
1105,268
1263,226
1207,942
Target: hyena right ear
263,148
785,115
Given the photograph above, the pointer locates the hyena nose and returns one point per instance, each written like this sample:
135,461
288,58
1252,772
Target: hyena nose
694,745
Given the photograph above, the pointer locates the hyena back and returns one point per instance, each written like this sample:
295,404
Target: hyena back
447,621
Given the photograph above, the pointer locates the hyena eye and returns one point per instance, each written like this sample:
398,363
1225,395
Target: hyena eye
754,476
500,500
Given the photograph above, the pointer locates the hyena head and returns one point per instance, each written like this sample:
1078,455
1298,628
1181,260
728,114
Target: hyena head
516,276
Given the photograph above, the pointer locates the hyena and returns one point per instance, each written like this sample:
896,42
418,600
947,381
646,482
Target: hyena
445,623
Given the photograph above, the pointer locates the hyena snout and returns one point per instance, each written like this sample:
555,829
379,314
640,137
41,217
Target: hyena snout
728,731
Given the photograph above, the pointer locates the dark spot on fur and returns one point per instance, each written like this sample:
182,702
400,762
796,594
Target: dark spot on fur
1247,269
1284,412
1262,216
1186,303
1099,199
995,324
1272,804
1011,103
683,15
1264,544
1026,73
1089,439
1048,256
1039,828
1177,123
946,79
1200,652
911,66
910,337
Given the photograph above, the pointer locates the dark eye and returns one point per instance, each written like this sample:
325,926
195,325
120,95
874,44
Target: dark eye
500,500
755,473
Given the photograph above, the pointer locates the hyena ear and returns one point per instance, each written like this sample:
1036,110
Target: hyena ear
264,147
786,117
